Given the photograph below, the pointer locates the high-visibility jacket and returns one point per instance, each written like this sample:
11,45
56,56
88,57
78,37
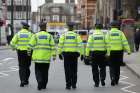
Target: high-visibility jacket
43,47
21,39
96,42
116,40
70,42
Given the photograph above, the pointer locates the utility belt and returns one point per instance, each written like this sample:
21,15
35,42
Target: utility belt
74,54
97,53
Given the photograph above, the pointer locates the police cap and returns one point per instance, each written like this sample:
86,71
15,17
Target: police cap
25,24
70,24
115,23
99,25
42,24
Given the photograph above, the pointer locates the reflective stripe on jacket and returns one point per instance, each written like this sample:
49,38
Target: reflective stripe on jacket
21,39
116,40
43,47
96,42
70,42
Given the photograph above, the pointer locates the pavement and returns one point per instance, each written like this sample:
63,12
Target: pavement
133,63
4,47
129,83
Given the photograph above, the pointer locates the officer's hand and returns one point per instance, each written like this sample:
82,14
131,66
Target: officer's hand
129,53
82,57
29,52
13,49
60,57
54,57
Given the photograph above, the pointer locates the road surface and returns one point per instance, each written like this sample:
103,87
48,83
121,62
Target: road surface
9,80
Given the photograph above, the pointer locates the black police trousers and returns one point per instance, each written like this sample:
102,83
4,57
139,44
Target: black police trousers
41,73
24,62
98,66
70,66
116,59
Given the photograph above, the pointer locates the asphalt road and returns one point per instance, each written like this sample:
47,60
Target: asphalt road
9,80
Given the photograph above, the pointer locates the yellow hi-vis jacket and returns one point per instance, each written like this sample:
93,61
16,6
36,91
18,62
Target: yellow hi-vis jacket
43,47
96,42
116,40
70,42
21,39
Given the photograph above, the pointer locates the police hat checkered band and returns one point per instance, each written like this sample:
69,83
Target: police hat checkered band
42,24
25,24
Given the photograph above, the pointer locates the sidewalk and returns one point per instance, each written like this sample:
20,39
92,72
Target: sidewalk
4,47
133,62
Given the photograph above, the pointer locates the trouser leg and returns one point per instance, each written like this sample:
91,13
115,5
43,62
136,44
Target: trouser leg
95,72
112,72
102,71
67,73
45,74
23,66
74,73
38,74
117,74
28,64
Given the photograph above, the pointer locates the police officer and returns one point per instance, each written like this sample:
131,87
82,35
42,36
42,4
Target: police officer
20,42
69,49
117,44
137,39
96,49
43,47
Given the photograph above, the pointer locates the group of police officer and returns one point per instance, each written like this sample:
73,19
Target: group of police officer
40,48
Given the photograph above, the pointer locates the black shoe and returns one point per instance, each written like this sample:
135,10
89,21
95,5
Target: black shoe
96,85
68,88
26,83
112,83
116,82
103,83
21,84
44,87
74,87
39,87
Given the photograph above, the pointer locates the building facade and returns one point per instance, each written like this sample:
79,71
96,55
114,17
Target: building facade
105,11
0,9
20,12
87,12
57,14
108,10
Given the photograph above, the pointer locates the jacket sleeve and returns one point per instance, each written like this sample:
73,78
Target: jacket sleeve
32,42
80,45
107,41
14,41
61,44
52,44
89,45
126,46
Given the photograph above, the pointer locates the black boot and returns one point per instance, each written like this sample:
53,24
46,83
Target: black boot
112,83
103,83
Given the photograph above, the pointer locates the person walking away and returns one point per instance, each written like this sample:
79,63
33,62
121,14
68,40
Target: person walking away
20,42
137,39
96,50
69,49
43,47
116,45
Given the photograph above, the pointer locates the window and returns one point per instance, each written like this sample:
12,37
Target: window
63,18
48,18
72,18
56,18
55,10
